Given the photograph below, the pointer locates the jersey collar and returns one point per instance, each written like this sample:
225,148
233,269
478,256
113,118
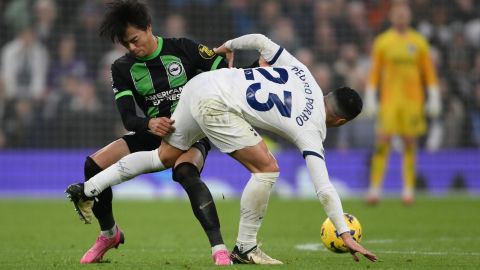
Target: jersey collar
155,53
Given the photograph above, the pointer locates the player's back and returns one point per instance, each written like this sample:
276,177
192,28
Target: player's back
284,99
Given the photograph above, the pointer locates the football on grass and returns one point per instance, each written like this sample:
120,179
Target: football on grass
333,241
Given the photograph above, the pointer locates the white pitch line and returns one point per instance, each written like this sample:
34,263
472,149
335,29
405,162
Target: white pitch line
379,241
320,247
310,247
430,253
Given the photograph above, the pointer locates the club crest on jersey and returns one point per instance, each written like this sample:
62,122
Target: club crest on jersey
411,48
205,52
174,69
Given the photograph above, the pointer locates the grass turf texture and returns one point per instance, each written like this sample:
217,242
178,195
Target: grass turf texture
436,233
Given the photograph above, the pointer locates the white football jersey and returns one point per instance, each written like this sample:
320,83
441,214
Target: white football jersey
283,98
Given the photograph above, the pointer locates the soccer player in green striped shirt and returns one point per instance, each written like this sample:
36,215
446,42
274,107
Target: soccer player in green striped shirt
152,75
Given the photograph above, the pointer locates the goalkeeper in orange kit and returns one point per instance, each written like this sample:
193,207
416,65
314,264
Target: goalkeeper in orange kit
401,70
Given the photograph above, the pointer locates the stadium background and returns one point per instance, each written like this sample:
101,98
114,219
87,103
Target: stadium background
57,106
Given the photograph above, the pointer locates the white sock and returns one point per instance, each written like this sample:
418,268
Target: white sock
408,192
125,169
218,247
110,233
374,191
253,205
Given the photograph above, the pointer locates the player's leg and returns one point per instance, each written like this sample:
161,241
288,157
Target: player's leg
378,166
110,235
253,203
387,125
409,169
187,173
188,167
230,133
413,125
103,158
125,169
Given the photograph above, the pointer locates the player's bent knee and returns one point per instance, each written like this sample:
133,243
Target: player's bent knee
203,146
168,154
266,164
90,168
267,177
186,174
271,165
275,167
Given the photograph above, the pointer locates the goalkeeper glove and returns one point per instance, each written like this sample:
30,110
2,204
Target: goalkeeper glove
371,105
434,103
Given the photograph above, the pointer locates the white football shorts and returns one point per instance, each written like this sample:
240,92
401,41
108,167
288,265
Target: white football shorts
198,115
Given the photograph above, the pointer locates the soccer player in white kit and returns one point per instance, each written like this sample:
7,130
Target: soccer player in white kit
225,105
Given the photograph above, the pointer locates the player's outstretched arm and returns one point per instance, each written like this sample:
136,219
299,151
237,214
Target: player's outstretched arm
229,54
332,205
355,247
269,50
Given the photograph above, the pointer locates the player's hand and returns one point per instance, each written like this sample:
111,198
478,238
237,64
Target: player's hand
355,247
161,126
434,103
262,62
229,55
370,103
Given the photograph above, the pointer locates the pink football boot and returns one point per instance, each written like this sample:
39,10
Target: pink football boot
101,246
221,257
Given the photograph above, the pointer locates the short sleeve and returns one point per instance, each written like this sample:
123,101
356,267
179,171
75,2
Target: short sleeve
202,57
120,85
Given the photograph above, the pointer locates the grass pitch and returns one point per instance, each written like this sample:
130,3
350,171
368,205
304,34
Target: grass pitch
436,233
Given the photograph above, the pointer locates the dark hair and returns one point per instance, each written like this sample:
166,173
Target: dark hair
120,14
349,102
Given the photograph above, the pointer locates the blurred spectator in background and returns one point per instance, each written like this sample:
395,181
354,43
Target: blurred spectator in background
454,118
475,72
175,26
351,69
306,56
3,140
475,115
436,29
283,32
24,68
17,16
337,8
90,47
104,75
324,77
241,17
353,26
459,57
322,12
464,10
377,11
67,62
66,65
269,12
81,118
319,32
401,63
46,28
300,12
325,42
104,88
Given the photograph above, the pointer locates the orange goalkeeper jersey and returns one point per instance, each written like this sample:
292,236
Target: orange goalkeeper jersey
401,67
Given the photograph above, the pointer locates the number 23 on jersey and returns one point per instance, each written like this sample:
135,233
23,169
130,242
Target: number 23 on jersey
285,107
